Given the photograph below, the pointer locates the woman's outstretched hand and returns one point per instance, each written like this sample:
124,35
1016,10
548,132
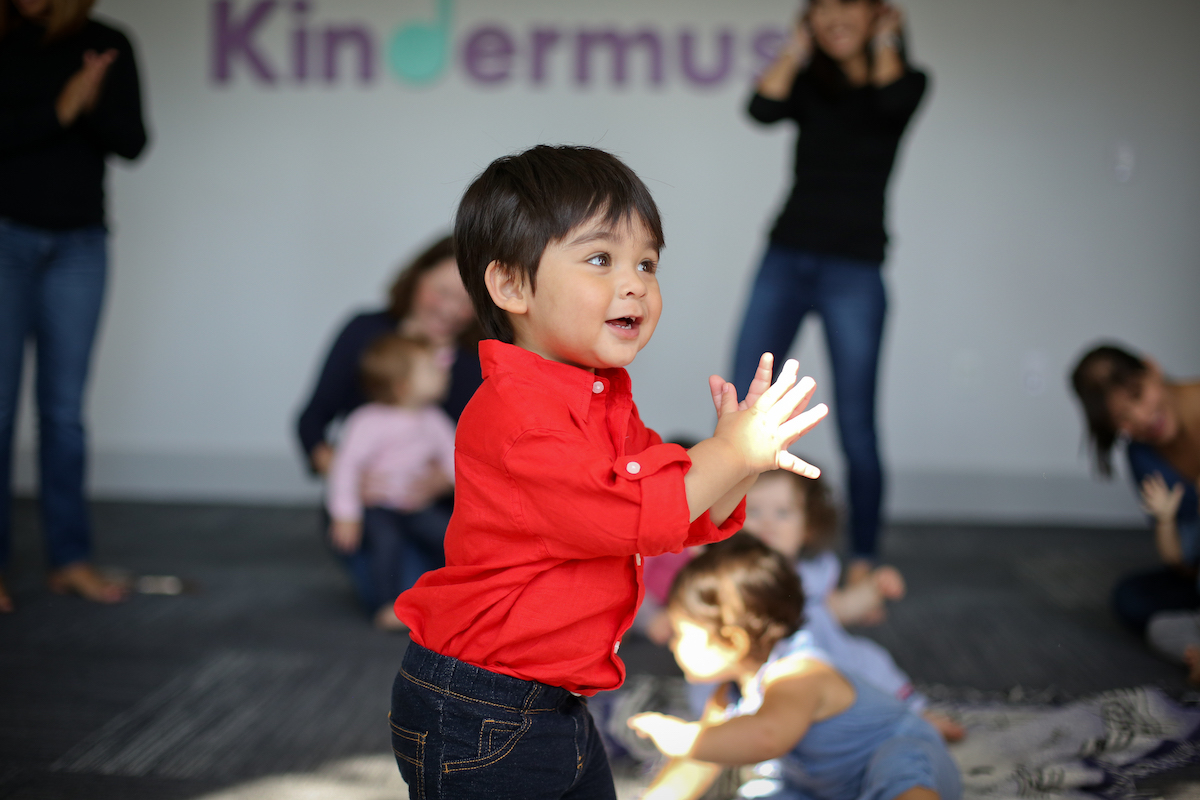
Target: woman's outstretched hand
82,90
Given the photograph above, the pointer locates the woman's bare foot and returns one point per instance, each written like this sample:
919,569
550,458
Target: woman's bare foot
950,730
84,580
386,620
6,601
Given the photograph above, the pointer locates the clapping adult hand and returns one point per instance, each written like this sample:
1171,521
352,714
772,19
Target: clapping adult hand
82,90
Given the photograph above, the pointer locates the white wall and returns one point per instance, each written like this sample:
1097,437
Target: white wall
1046,195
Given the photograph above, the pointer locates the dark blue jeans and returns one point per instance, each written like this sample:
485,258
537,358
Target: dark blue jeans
462,732
849,295
51,291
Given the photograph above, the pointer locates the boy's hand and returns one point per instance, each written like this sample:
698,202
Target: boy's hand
776,418
346,534
761,382
1158,501
672,736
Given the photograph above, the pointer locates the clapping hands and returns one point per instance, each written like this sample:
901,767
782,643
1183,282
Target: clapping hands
770,418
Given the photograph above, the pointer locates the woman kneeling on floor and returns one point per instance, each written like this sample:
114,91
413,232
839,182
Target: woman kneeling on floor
1127,397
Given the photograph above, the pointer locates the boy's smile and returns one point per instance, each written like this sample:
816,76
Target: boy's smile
597,299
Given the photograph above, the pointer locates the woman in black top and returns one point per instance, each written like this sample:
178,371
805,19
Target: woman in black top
69,97
844,79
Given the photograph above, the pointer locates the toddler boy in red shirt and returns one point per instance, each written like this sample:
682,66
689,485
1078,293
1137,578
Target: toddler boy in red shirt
561,491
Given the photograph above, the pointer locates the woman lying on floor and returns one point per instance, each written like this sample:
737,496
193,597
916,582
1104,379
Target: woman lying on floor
1128,397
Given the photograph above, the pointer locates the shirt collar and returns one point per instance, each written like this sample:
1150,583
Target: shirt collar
573,384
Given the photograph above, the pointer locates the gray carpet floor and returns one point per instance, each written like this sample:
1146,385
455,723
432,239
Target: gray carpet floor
265,666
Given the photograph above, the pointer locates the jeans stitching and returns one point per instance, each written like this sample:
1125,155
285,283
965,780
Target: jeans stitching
497,724
419,761
505,752
457,696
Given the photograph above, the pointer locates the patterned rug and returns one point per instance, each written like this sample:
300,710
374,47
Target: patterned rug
1096,747
1017,748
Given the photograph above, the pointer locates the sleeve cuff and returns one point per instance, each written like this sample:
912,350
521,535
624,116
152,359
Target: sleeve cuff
659,471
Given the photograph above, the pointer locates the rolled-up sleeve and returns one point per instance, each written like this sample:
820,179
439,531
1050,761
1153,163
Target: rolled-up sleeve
582,503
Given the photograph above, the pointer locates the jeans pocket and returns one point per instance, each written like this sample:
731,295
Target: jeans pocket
497,739
409,748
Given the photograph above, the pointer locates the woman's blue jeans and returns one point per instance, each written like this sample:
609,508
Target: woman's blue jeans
51,292
850,297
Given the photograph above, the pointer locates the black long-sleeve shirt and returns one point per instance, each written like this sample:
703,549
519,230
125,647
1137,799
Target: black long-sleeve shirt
844,157
50,176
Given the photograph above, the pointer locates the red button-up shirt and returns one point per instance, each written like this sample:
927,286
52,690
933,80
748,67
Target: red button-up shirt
560,493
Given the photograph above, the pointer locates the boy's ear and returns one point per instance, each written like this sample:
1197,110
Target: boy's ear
507,288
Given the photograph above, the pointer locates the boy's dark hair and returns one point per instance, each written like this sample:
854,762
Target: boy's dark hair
523,202
1103,370
387,361
741,582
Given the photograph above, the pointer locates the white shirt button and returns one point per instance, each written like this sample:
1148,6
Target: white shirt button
616,647
637,558
597,387
633,468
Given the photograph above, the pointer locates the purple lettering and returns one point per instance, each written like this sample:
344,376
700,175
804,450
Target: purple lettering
300,42
687,46
356,35
488,55
235,38
619,45
766,44
543,40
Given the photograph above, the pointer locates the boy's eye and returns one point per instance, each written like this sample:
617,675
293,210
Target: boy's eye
599,260
648,266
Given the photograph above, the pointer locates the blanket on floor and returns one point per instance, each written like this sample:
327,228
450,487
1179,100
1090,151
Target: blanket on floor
1015,749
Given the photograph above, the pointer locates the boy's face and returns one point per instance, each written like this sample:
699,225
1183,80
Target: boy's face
597,300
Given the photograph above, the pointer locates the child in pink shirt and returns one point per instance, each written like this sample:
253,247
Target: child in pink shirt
394,439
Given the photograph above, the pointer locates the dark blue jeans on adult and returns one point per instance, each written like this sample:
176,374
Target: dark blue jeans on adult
51,292
849,296
460,731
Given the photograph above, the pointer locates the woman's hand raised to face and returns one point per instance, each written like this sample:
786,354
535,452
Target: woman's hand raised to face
889,22
82,90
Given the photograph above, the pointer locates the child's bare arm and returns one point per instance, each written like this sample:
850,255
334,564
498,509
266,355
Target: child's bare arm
682,779
790,705
750,440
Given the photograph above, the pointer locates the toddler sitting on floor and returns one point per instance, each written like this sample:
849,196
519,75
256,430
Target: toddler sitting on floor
798,519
